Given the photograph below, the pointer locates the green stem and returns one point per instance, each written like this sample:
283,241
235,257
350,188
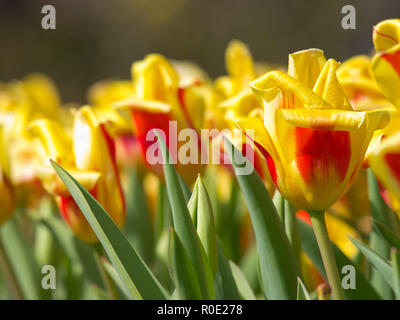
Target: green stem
10,276
107,281
325,247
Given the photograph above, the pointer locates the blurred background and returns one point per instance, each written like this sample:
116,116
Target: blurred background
99,39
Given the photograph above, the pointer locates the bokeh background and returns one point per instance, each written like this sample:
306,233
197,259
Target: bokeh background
99,39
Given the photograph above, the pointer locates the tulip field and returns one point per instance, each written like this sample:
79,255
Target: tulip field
276,182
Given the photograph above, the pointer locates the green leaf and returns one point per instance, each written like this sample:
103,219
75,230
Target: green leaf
183,224
192,204
186,281
164,216
279,203
249,265
380,212
363,291
279,268
134,273
79,254
395,259
138,226
292,228
62,235
22,261
228,221
230,282
185,189
387,234
302,293
379,263
64,238
205,223
113,275
287,214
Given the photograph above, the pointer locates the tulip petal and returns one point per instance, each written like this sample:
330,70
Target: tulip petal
43,94
323,119
386,70
154,78
104,93
239,61
306,65
54,139
145,105
53,184
240,105
328,87
293,93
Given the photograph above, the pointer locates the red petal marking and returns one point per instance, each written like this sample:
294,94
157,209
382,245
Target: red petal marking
393,161
304,215
146,121
385,35
394,60
111,147
270,163
64,207
321,150
181,98
257,161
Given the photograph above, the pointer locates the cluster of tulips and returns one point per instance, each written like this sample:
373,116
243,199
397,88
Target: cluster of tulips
318,218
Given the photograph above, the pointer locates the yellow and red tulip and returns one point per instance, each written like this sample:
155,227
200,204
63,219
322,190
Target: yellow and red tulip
101,97
386,63
92,163
158,98
240,66
385,162
35,96
359,85
314,141
241,106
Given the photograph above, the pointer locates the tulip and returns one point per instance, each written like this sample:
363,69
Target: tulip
359,85
241,106
385,163
101,96
240,67
158,98
363,92
235,101
386,63
359,76
313,140
92,163
33,97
